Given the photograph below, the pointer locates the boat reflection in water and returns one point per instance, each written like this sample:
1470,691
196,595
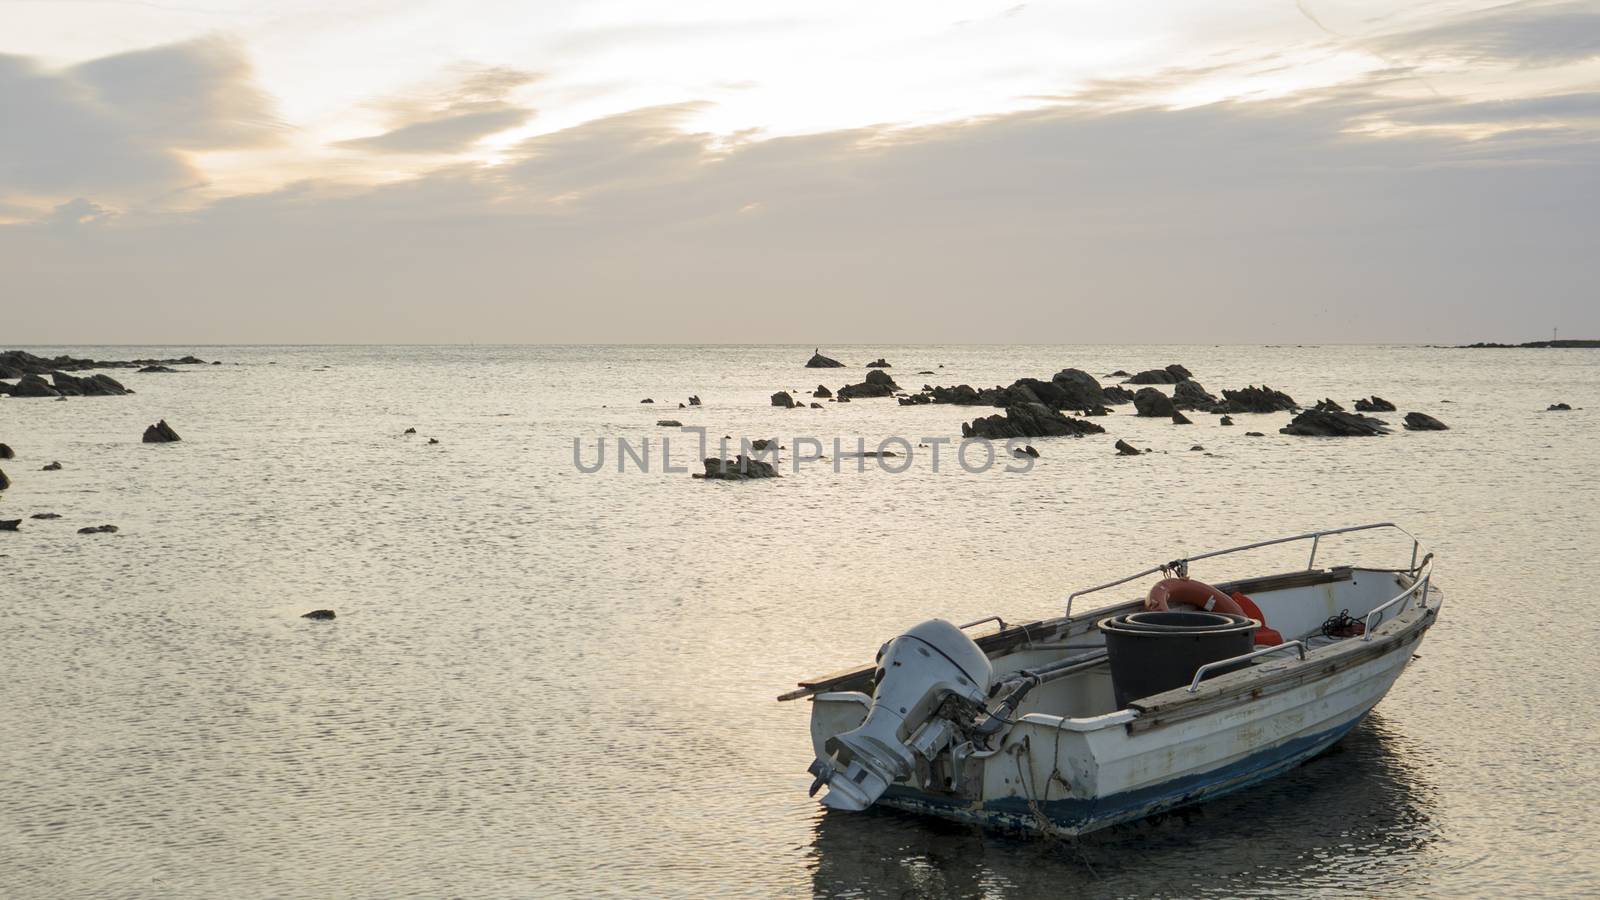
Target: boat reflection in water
1355,819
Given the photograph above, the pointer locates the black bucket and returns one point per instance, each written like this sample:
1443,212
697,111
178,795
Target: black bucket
1152,652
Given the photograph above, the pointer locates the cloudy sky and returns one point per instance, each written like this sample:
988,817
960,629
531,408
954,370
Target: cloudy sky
188,171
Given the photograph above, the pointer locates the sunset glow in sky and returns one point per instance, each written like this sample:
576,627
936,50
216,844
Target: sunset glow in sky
142,139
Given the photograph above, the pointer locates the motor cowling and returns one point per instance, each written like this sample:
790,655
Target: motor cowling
918,672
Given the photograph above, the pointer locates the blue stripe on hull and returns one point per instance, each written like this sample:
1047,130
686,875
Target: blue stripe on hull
1081,816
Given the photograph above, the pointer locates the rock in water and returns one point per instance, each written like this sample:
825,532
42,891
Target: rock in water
1179,418
1416,421
51,467
1179,372
1154,376
433,440
1028,420
1258,400
156,369
647,400
1197,447
45,516
822,391
1328,405
160,433
878,384
694,400
1188,394
1253,434
10,524
6,452
1154,404
87,386
1225,421
669,423
4,481
1326,423
1558,407
879,363
1079,390
818,361
410,431
320,615
742,468
1374,404
98,529
1030,451
32,385
1126,449
1116,394
783,399
816,406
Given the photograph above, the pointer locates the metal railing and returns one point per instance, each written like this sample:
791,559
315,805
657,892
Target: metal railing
1315,537
1200,672
1419,586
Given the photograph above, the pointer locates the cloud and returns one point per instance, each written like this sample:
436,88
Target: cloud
119,127
1521,34
1269,220
468,110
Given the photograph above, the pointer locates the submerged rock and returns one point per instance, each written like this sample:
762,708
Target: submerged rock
98,529
694,400
410,431
1416,421
4,481
1253,434
51,467
879,363
320,615
1327,423
1126,449
818,361
1153,404
783,399
647,400
10,524
1179,418
45,516
816,405
1558,407
742,468
1028,420
433,440
1225,421
669,423
160,433
1153,376
152,369
878,384
1254,399
6,452
822,391
1374,404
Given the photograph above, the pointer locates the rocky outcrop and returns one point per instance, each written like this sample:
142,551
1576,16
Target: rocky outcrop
1374,404
1152,403
960,395
1028,420
1153,376
1179,372
818,361
1254,399
1188,394
783,399
1327,423
1117,395
160,433
1126,449
878,384
1416,421
33,385
16,363
740,469
320,615
1080,390
916,399
87,386
879,363
822,391
1328,405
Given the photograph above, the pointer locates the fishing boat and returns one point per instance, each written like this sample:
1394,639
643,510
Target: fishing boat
1072,724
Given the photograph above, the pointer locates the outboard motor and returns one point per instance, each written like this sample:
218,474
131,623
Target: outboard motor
933,681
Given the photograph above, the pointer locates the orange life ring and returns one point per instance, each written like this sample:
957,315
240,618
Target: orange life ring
1193,593
1200,595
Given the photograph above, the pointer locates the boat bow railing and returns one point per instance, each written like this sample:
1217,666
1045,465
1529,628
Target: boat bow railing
1181,566
1421,577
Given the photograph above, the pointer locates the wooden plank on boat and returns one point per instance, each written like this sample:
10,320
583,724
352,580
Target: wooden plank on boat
991,644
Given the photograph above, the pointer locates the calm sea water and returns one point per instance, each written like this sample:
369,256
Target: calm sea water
546,683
